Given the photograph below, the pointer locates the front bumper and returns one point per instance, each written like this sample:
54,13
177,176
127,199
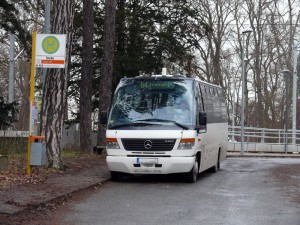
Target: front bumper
150,165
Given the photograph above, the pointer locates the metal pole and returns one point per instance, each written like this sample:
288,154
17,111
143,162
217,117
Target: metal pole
46,31
31,96
243,96
47,16
11,85
294,92
233,114
286,73
243,90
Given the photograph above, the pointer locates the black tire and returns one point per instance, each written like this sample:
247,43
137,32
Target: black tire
191,176
214,169
218,164
115,176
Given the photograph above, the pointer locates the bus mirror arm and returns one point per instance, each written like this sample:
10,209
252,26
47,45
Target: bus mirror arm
103,117
202,122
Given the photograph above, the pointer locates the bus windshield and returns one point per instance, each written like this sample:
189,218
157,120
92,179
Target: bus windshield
145,102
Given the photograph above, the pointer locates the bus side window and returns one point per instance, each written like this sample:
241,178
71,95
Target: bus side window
199,104
208,104
223,109
199,99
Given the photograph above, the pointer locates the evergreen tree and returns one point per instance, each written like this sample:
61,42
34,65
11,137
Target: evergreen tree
8,114
149,36
86,77
10,20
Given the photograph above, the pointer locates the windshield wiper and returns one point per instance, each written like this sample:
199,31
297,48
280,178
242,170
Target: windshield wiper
130,124
167,121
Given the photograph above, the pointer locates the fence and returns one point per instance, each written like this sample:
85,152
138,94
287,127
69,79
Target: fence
264,140
256,140
12,141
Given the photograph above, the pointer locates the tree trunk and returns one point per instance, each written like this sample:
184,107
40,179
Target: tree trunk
23,86
55,102
107,65
86,77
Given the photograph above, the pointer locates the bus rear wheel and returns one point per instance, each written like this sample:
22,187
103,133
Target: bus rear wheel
215,168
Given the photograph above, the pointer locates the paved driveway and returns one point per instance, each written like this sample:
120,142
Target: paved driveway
256,191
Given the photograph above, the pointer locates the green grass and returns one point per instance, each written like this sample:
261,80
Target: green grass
71,153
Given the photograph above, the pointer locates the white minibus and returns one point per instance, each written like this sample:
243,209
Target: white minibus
163,124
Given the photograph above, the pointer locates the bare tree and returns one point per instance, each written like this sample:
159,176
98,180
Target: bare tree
55,103
268,50
218,15
273,34
86,77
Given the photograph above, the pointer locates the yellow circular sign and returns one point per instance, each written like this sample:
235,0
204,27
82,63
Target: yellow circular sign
50,44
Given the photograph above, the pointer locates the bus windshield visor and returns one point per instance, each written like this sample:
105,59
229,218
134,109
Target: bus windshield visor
150,101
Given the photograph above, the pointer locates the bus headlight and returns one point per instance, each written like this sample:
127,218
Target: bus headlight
112,143
187,143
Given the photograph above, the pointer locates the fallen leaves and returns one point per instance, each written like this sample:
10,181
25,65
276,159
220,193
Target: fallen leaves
6,180
16,171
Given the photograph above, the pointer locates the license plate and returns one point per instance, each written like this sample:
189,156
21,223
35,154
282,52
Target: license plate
145,161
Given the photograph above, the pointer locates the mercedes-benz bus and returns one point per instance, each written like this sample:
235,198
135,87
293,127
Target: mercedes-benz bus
164,124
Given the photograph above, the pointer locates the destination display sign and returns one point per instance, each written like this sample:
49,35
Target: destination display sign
157,85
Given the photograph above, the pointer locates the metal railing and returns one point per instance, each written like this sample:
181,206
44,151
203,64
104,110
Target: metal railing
264,140
255,139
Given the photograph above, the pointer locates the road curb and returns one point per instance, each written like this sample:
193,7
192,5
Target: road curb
54,201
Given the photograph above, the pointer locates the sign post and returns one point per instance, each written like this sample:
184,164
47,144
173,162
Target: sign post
48,51
31,96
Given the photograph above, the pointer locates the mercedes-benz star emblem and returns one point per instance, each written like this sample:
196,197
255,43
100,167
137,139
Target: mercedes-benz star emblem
148,144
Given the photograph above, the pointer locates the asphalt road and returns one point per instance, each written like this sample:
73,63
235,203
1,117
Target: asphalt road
245,191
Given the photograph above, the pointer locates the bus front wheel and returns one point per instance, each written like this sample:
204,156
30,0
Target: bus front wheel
115,176
193,174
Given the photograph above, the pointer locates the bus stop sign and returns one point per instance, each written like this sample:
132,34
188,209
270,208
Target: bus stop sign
50,50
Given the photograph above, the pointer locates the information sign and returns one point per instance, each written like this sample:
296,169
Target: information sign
50,50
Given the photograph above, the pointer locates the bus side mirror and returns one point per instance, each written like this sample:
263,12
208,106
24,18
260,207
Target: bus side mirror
103,117
202,122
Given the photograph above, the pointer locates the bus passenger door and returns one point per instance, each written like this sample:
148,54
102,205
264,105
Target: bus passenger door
201,134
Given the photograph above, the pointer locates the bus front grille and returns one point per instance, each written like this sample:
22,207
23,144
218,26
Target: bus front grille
148,144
